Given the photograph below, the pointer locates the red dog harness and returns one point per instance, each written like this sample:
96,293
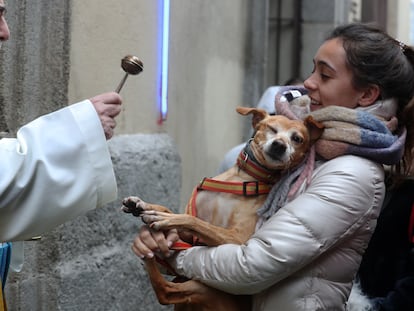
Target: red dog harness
262,185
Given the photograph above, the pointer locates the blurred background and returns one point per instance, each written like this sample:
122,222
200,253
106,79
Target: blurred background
202,59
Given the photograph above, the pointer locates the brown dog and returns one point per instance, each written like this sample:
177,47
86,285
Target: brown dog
278,144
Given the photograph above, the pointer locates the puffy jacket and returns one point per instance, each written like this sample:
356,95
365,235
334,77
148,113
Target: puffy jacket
307,254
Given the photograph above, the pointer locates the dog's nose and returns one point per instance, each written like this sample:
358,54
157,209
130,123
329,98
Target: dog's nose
278,148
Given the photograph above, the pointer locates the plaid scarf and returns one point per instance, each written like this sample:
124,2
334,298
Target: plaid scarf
361,132
369,133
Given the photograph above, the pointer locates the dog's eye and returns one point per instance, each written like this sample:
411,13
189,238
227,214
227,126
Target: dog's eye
273,129
297,139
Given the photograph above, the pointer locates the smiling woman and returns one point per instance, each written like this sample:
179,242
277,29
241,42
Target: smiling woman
369,53
329,222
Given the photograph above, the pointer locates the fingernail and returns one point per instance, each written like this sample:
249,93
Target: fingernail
150,255
170,243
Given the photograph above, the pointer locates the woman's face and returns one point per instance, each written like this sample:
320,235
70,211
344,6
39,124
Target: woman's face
331,80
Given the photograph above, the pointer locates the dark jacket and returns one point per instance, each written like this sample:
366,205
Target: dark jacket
386,272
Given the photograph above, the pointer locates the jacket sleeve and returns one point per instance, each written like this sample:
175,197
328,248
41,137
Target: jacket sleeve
57,168
340,199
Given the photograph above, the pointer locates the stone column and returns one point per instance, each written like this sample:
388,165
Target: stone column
34,63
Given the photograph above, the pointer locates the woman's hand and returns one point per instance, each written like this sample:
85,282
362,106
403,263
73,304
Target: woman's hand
149,241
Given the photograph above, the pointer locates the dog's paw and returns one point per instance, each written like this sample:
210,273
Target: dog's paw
133,205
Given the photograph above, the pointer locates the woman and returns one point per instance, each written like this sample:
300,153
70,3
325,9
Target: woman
305,255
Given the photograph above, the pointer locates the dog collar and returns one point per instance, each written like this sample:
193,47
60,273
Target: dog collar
248,163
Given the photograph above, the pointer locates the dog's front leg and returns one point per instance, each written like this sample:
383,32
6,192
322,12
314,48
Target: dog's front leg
193,295
210,234
164,221
169,292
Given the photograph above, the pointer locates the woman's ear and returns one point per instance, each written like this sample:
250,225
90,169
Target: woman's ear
369,95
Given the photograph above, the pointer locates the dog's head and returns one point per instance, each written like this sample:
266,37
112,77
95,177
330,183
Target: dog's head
278,142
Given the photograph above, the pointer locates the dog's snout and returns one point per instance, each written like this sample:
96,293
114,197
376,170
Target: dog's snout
277,148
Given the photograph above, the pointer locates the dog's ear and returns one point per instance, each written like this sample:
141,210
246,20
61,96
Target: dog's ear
314,127
258,114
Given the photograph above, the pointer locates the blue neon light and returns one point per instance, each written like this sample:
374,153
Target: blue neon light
164,58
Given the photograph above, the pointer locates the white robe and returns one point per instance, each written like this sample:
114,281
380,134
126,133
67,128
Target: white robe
56,169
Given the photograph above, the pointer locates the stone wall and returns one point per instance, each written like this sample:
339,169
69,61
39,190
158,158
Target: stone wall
34,63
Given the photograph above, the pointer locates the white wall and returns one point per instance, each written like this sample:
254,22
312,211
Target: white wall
398,17
103,32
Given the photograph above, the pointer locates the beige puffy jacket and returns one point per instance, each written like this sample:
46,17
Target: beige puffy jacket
307,254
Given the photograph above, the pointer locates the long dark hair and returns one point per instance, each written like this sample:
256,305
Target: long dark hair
375,58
